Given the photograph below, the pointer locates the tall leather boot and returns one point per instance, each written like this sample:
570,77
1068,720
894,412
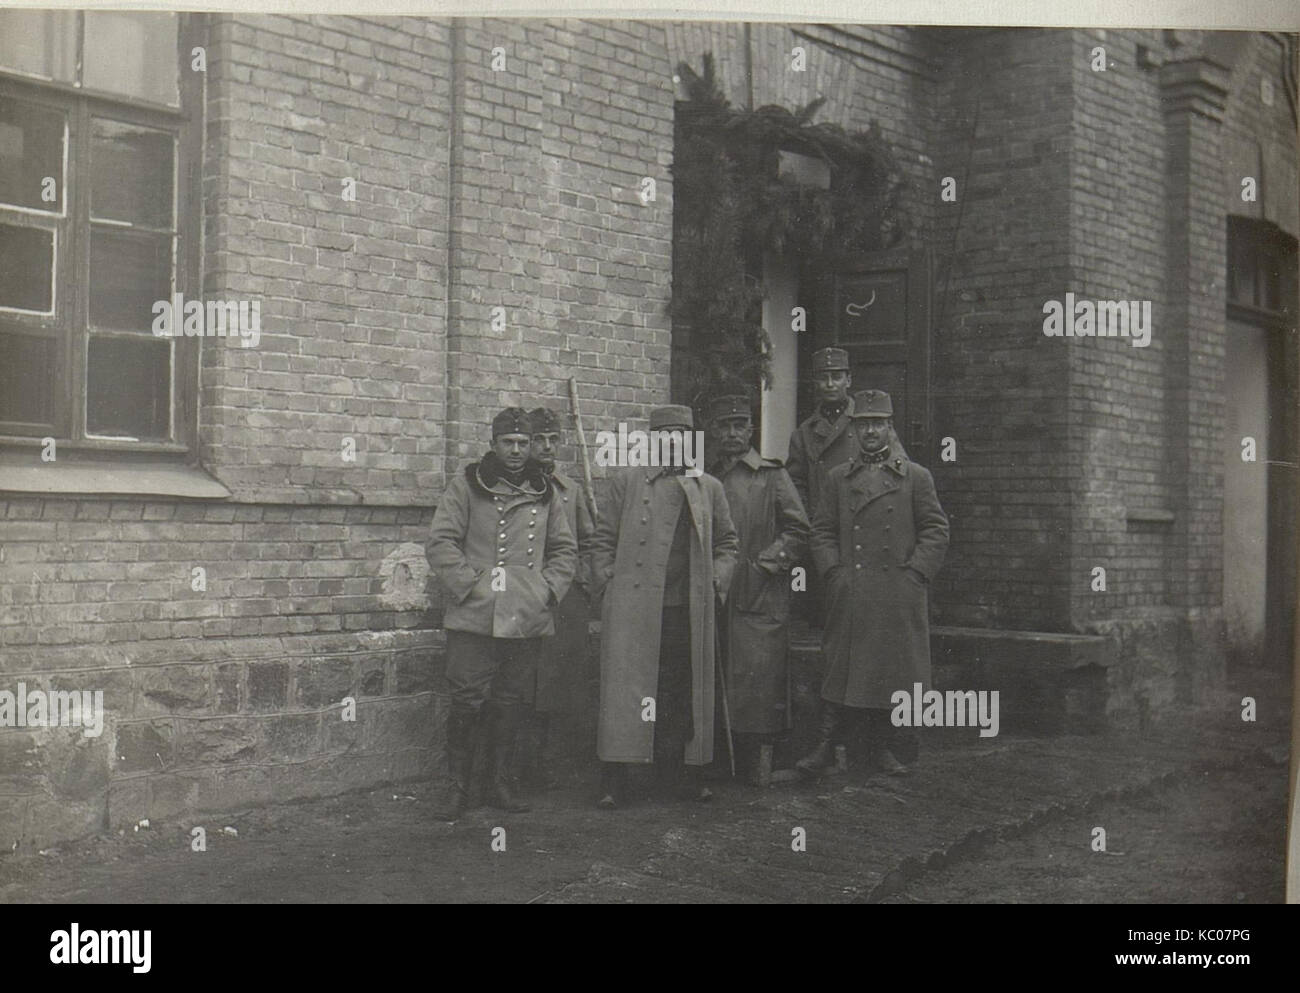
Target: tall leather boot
823,755
462,736
502,726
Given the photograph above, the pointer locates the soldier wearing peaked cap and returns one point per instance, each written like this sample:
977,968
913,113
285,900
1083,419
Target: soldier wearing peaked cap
502,547
664,550
561,669
822,442
878,538
773,532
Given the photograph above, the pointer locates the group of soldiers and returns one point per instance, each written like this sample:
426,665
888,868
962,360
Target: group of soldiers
694,577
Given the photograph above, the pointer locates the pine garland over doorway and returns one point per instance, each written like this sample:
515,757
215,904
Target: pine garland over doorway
730,208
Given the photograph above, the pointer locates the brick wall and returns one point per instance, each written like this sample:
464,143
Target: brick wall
1002,130
353,293
548,223
520,188
212,698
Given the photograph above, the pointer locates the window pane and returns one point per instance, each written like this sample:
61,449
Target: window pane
31,149
26,268
26,378
131,174
129,271
132,54
39,43
128,387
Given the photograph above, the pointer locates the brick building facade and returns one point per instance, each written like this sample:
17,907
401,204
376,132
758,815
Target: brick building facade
442,218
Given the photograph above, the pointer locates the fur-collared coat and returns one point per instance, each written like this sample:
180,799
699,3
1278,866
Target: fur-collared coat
504,552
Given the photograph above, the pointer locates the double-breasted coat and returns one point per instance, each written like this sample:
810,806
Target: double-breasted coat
817,446
562,668
878,539
505,554
629,565
773,532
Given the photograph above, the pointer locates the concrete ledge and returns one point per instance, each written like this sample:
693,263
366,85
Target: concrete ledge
133,476
1049,683
1037,649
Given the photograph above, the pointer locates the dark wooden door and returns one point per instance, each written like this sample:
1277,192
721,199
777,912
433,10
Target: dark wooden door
877,307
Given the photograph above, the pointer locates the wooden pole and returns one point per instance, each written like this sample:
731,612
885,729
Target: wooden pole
588,489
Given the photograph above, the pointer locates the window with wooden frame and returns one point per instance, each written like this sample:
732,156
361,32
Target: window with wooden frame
100,117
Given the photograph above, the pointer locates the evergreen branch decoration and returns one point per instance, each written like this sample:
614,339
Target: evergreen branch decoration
731,207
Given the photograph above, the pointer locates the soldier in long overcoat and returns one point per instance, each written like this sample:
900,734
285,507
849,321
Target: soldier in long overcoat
562,668
501,546
664,549
878,539
773,532
822,442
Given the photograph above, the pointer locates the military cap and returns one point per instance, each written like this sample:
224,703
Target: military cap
830,360
674,415
544,420
872,403
733,405
512,420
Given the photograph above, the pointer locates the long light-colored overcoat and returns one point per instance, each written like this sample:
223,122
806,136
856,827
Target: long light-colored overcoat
878,539
629,564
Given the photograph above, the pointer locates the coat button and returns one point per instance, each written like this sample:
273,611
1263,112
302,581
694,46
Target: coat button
501,561
857,527
857,548
502,522
638,561
644,519
503,534
502,548
890,509
636,585
886,527
858,566
641,542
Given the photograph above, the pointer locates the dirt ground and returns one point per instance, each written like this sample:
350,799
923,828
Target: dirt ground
1008,820
1214,838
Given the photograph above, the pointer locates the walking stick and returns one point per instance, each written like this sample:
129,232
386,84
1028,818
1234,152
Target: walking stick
720,660
588,489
